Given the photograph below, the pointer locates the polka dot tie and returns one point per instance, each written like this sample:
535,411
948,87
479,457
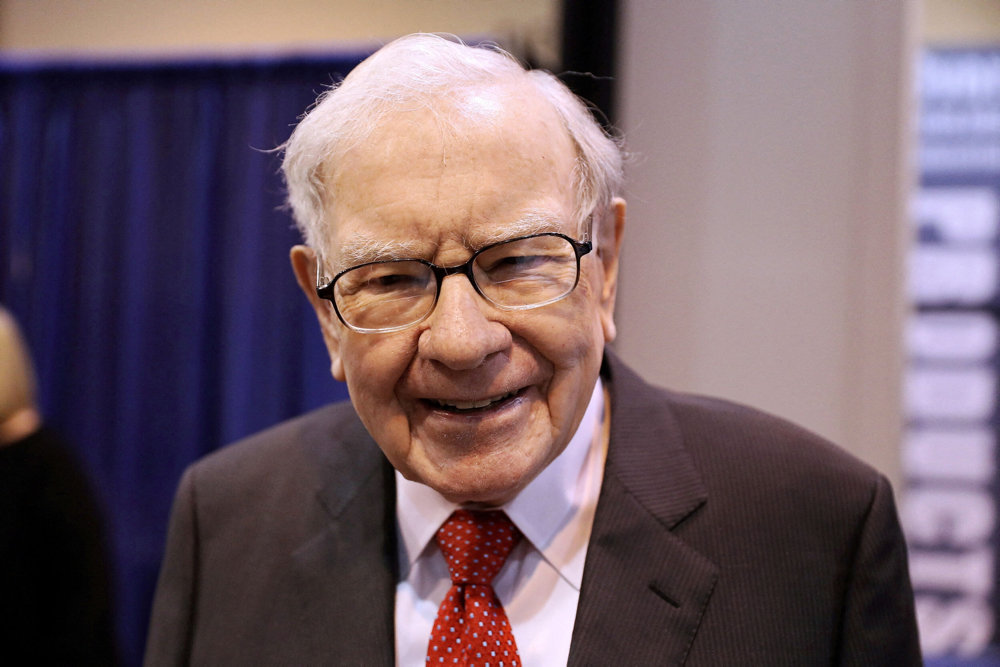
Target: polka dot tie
471,627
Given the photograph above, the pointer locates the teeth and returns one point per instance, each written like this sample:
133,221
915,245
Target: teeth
473,405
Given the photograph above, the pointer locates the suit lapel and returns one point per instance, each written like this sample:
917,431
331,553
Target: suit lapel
644,590
345,572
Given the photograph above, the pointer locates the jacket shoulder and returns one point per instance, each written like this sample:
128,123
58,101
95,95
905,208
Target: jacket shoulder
738,451
285,466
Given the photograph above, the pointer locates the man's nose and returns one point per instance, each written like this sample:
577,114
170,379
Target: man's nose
459,333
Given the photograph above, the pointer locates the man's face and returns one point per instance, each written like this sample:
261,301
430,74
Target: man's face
428,186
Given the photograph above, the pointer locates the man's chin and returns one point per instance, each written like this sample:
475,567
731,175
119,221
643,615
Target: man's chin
477,490
480,497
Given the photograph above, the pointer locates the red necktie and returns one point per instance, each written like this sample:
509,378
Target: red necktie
471,627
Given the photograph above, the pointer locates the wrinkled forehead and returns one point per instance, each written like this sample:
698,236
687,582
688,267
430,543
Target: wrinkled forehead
475,151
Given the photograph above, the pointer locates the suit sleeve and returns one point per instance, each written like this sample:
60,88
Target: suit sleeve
170,626
879,625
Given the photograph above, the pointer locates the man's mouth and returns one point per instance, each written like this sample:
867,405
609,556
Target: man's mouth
471,406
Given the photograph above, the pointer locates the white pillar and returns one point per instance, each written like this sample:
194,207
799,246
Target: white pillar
764,257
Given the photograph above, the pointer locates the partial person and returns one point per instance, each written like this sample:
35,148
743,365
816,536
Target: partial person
501,488
55,579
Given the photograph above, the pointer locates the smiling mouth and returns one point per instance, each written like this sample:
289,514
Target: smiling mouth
471,406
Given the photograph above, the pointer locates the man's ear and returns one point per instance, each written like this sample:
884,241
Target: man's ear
609,245
304,265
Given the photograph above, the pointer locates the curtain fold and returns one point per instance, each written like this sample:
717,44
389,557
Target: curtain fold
145,254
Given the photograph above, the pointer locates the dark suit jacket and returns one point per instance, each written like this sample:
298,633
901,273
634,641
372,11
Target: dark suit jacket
723,536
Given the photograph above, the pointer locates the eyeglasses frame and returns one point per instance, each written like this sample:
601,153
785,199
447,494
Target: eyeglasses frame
325,291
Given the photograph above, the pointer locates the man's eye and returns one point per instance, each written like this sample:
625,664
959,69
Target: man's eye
517,263
393,280
396,282
382,278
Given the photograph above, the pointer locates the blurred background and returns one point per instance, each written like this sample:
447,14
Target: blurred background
813,223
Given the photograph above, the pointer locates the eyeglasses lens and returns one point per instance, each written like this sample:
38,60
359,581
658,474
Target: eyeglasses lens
386,295
527,272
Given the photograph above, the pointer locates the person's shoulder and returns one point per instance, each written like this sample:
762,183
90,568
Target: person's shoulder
749,436
734,445
294,456
288,439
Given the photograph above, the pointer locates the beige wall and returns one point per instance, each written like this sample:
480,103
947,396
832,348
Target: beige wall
171,26
960,22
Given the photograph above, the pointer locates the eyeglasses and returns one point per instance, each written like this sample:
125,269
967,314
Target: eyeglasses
517,274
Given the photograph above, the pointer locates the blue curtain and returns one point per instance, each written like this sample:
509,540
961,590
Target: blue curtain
145,254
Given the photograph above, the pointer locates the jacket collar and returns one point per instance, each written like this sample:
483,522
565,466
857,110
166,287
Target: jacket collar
644,590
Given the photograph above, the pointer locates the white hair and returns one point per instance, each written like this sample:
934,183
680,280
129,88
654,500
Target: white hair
415,71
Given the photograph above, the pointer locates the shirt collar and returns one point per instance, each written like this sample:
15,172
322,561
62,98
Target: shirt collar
541,511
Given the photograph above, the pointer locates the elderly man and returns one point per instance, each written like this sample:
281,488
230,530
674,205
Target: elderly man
501,489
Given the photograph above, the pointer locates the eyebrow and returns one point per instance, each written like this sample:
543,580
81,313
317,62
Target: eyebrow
364,248
533,222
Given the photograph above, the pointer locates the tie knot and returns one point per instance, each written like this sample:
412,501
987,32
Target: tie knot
475,544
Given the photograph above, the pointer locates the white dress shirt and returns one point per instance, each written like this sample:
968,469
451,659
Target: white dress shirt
539,585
